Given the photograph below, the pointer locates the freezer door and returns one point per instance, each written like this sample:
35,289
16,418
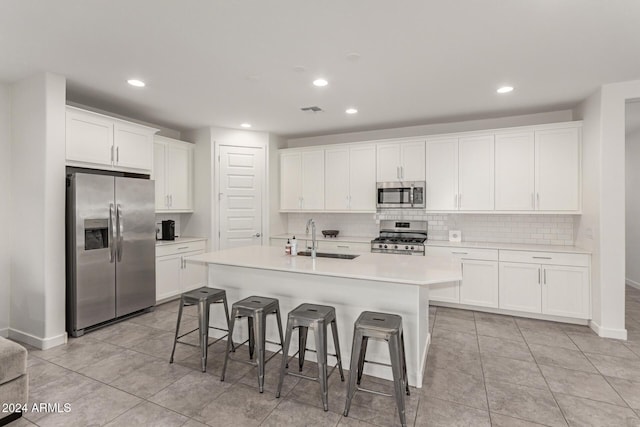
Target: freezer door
92,287
135,245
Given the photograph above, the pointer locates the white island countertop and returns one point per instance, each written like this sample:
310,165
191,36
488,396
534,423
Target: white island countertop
403,269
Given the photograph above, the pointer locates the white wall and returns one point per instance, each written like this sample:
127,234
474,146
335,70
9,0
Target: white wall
38,217
5,214
632,146
602,227
433,129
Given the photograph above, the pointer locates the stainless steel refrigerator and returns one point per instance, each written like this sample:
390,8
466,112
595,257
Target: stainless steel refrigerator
110,248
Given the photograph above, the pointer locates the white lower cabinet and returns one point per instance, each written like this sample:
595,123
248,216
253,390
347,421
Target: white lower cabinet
174,275
479,285
520,287
556,284
549,283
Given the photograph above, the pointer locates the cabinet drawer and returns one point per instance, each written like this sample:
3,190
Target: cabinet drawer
179,248
326,245
551,258
463,253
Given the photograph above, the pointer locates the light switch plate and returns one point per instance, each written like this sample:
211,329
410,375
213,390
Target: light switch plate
455,236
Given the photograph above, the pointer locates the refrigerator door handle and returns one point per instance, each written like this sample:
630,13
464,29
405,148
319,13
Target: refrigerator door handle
112,230
120,230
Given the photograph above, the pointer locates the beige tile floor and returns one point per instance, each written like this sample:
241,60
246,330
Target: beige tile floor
482,369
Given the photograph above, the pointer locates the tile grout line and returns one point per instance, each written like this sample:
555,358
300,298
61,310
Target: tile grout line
543,377
484,380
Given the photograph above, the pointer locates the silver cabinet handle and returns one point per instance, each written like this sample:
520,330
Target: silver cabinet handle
533,201
460,253
184,247
398,171
538,199
401,172
166,200
343,246
455,200
538,276
112,230
542,257
120,226
117,154
545,276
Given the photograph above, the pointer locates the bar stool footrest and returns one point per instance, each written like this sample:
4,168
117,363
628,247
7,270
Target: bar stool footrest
379,393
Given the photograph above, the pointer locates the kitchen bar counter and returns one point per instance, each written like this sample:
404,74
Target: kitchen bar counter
510,246
179,240
376,282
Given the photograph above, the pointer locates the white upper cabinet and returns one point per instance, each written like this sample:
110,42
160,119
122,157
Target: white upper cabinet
515,172
558,171
401,161
442,174
460,173
173,174
475,173
97,141
302,180
350,178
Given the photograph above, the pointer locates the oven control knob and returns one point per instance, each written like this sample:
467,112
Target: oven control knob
407,247
411,247
385,246
380,246
395,246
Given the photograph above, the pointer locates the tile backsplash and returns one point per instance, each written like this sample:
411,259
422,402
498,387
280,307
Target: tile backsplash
502,228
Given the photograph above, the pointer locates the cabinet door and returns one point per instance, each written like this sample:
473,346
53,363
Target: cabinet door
558,169
89,138
192,275
336,179
179,176
475,173
134,146
520,287
445,292
290,181
168,270
479,285
313,180
160,175
362,178
565,291
388,162
515,172
442,174
412,167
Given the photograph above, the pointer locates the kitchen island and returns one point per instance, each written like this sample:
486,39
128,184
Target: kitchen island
390,283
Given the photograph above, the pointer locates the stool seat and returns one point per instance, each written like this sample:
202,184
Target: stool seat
202,297
203,294
255,309
318,318
383,323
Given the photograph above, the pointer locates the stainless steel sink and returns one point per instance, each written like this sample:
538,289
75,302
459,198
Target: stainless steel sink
328,255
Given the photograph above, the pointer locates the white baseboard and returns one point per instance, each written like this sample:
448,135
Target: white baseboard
620,334
37,342
632,283
4,332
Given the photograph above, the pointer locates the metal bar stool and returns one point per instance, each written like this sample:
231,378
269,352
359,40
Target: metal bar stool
384,327
316,317
203,297
255,309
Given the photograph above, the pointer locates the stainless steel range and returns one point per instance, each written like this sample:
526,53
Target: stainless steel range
400,237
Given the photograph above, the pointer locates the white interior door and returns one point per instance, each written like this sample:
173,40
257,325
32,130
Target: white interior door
240,178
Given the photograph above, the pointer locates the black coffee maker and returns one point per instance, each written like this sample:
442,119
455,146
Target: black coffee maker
168,230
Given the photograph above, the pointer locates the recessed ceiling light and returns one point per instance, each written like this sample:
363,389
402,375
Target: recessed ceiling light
351,111
136,83
246,125
505,89
320,82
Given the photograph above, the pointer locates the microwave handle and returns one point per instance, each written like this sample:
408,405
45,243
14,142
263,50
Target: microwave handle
411,195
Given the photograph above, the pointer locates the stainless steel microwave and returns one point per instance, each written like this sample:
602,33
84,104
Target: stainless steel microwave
401,195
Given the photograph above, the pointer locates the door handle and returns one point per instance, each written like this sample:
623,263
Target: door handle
257,235
112,231
544,277
538,276
117,154
120,227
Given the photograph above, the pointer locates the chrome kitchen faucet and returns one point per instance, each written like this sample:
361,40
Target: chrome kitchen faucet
313,247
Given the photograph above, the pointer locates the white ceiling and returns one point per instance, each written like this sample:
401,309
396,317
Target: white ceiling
224,62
